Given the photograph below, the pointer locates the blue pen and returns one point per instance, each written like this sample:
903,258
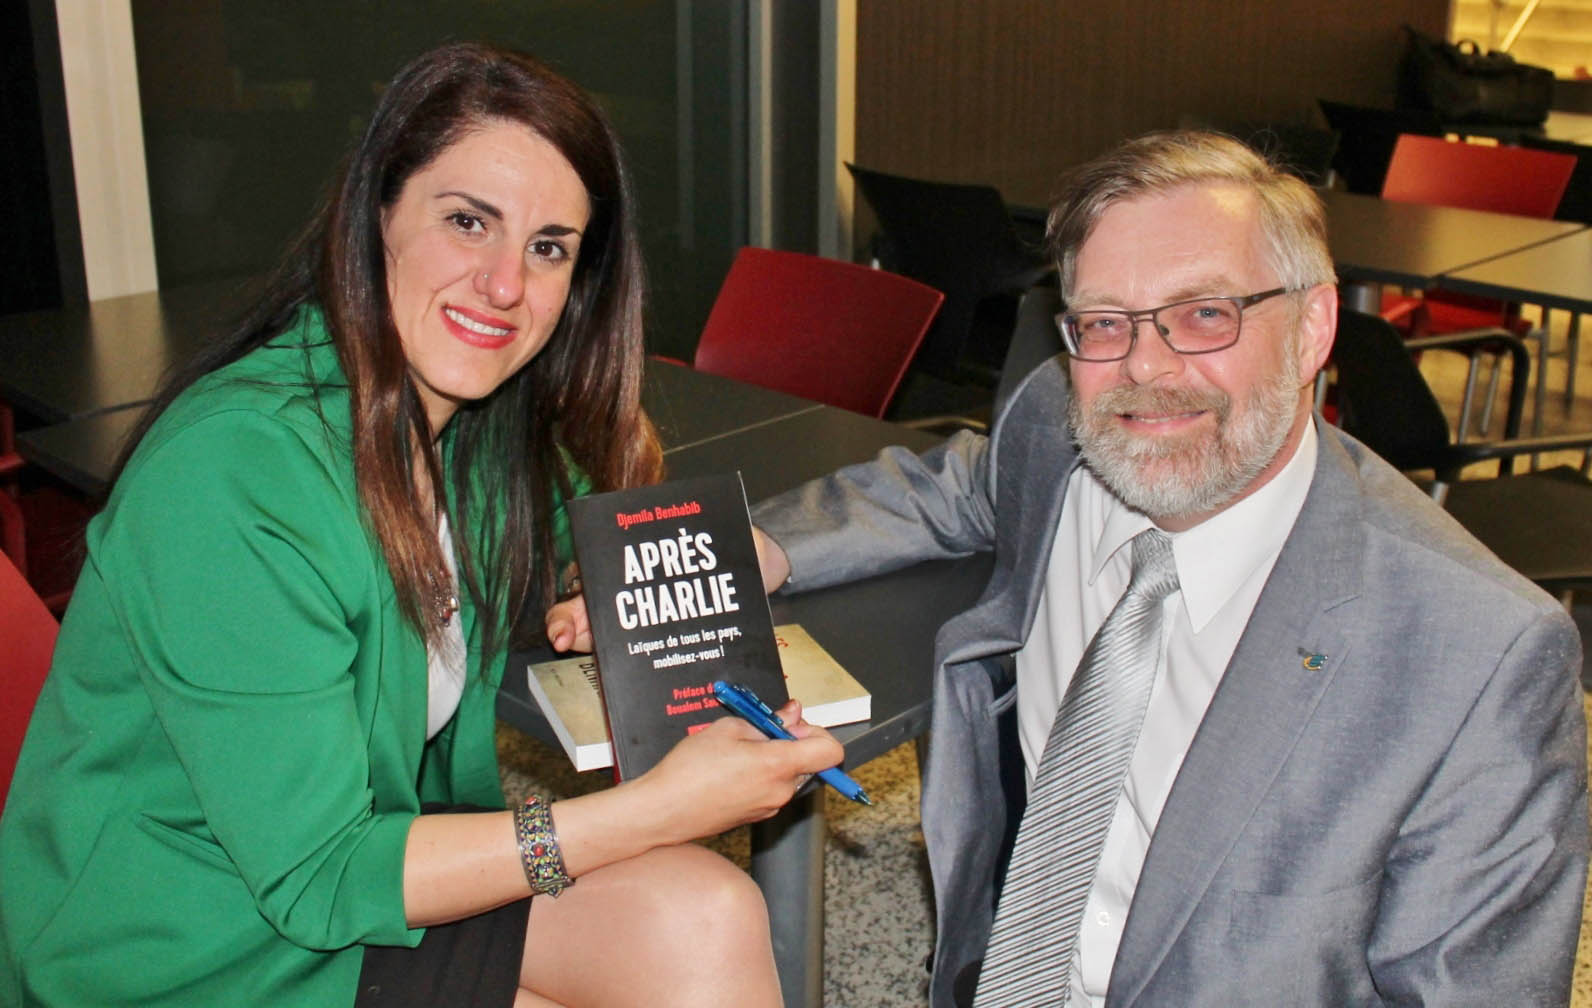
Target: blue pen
745,703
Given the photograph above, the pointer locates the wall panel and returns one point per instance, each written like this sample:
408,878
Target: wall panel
1012,91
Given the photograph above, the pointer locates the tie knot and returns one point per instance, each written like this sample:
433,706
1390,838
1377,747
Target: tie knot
1154,567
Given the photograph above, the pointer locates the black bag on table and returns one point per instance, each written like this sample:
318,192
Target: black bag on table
1462,84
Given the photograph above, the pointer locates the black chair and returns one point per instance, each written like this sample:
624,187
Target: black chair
1305,151
959,239
1539,523
1035,339
1366,137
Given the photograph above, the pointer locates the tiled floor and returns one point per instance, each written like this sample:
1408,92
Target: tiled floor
1446,373
878,928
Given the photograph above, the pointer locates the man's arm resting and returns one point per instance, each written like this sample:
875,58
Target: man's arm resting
1481,903
877,516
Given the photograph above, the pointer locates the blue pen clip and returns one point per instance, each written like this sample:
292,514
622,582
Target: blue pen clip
748,706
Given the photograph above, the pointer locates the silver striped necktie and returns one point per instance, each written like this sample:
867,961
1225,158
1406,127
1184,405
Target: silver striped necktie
1059,839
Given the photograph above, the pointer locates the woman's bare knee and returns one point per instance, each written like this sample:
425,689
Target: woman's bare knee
676,925
716,898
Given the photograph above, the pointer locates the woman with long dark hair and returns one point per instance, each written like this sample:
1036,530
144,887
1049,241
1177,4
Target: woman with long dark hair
262,770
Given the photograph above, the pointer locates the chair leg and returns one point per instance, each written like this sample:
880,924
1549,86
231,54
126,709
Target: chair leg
1540,406
1571,354
1492,394
1540,334
1467,402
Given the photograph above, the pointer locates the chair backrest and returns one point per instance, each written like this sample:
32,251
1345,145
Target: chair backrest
28,632
1576,205
1366,138
930,224
1382,398
1476,176
955,237
819,328
13,543
1035,339
1305,151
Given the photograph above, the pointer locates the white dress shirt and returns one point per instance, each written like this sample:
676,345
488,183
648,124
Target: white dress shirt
1222,565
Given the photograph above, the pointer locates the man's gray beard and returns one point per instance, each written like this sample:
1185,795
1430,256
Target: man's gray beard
1193,475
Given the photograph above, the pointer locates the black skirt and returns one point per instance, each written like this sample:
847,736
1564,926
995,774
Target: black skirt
474,961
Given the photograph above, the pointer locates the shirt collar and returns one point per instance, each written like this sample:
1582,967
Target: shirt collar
1216,557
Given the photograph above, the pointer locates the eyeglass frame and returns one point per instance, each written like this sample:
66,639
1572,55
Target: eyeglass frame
1069,341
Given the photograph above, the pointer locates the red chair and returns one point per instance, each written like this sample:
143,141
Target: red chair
49,569
1502,179
822,329
13,543
28,632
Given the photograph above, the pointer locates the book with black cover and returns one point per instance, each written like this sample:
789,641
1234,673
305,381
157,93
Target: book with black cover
569,696
676,601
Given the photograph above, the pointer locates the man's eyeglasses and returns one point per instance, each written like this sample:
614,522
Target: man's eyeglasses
1196,326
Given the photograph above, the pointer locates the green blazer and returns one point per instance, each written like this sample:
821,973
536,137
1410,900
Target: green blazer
213,800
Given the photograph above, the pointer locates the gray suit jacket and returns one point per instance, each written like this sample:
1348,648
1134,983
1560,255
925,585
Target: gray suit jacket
1386,802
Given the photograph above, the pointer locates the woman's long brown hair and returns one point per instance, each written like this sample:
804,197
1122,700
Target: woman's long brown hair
581,395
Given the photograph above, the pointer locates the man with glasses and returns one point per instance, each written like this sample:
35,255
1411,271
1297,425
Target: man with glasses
1332,753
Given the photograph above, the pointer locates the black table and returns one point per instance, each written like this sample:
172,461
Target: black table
109,355
78,361
1554,274
688,406
1376,241
881,629
83,451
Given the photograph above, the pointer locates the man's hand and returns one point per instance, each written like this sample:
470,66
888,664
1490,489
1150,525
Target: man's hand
771,560
568,628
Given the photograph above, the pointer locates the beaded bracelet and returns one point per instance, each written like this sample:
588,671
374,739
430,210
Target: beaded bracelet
539,853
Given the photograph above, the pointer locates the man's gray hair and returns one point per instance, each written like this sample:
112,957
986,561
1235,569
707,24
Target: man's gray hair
1292,219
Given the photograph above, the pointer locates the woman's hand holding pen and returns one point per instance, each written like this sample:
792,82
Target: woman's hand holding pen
749,777
724,776
752,776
